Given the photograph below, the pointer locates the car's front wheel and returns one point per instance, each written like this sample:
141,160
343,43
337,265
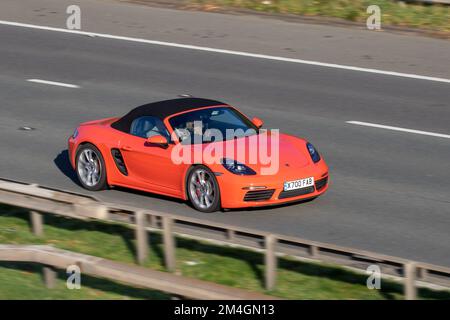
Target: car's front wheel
90,168
203,189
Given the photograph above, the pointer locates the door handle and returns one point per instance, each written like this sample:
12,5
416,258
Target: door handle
126,148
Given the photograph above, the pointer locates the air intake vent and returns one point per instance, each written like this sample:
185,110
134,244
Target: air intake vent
259,195
118,159
320,184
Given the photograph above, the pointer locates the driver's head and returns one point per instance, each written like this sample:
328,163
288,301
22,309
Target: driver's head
196,127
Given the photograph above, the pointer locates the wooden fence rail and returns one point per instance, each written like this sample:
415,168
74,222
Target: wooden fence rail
53,258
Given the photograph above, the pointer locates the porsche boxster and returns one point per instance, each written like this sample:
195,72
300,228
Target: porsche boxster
183,148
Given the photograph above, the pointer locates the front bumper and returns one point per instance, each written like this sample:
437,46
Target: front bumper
236,193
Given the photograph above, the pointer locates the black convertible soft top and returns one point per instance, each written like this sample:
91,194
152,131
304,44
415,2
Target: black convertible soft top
162,109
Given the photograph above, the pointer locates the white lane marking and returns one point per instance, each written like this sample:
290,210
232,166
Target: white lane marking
232,52
426,133
53,83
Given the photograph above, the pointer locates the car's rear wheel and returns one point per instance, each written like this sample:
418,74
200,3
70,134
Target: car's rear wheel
203,189
90,168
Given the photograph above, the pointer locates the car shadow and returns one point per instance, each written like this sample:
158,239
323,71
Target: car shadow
62,162
147,194
271,207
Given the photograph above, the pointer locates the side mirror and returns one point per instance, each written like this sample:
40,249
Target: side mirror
257,122
158,140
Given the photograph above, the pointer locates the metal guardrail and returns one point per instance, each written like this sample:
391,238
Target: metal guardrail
39,200
52,258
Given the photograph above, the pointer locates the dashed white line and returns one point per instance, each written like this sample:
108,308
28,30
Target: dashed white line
426,133
231,52
53,83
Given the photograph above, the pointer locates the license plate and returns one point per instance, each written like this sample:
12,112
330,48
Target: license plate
298,184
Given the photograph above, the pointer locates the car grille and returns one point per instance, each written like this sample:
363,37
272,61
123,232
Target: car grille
259,195
320,184
295,193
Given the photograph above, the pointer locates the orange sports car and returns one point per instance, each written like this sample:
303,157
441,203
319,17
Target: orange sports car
200,150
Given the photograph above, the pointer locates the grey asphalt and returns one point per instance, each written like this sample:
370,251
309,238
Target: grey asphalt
355,46
389,192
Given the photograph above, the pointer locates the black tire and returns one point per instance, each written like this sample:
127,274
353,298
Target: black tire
210,184
97,157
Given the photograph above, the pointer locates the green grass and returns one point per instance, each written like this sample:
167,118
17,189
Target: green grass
397,13
24,281
229,266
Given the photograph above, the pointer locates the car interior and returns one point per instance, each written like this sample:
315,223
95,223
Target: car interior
148,126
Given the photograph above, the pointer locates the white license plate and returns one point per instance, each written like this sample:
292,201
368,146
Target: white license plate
298,184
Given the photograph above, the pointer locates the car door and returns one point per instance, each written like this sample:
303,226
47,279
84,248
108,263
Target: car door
150,166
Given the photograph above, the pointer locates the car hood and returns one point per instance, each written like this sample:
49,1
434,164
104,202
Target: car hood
292,152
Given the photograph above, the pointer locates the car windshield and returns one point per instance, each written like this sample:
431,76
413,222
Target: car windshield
211,125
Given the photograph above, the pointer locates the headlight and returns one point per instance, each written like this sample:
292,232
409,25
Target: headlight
315,156
236,167
75,133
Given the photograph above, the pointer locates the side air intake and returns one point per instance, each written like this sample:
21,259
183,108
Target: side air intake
118,159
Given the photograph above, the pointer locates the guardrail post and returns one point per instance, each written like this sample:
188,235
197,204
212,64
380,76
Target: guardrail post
409,272
141,237
37,223
169,244
270,262
313,251
230,235
422,273
153,221
49,277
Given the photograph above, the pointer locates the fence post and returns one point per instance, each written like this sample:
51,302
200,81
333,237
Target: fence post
141,237
313,251
422,273
270,261
169,244
153,221
230,235
49,277
37,223
409,272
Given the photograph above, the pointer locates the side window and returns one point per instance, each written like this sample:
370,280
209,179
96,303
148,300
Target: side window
148,126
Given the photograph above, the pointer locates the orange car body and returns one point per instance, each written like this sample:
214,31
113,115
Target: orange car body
151,169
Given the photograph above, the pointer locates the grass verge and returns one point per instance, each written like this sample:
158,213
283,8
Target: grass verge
229,266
